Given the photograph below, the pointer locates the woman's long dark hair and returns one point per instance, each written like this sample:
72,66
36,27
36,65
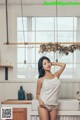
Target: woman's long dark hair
40,66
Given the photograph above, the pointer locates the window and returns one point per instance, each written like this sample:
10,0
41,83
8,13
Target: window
44,29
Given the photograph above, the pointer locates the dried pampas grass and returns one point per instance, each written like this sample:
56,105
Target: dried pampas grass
57,47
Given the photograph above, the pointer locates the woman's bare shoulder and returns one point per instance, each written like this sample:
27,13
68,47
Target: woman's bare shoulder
40,80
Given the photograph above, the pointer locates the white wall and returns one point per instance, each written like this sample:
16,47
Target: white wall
9,89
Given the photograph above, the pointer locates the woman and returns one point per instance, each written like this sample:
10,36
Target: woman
47,91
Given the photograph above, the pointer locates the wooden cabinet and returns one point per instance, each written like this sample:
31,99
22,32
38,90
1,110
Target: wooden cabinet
19,108
19,114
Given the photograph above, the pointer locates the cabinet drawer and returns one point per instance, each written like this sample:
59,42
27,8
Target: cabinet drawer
19,114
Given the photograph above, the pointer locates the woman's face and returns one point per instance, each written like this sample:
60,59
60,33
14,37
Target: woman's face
46,64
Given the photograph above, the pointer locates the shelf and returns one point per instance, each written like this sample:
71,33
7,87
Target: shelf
15,101
3,66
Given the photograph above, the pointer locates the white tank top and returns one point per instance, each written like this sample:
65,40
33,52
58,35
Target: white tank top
50,91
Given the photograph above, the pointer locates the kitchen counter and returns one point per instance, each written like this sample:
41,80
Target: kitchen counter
16,101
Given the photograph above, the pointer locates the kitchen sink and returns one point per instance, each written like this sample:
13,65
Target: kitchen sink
69,104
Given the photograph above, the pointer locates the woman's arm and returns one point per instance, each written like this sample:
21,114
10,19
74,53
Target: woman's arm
62,67
38,89
39,85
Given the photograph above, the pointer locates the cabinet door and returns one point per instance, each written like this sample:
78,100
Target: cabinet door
19,114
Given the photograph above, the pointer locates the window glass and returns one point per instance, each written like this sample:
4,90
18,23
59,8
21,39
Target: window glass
41,30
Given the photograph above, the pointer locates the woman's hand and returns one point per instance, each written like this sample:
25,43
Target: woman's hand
51,63
62,67
41,103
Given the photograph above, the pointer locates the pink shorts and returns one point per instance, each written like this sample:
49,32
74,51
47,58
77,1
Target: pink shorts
51,107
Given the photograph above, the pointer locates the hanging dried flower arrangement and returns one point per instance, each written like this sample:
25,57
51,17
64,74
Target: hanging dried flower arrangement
58,47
